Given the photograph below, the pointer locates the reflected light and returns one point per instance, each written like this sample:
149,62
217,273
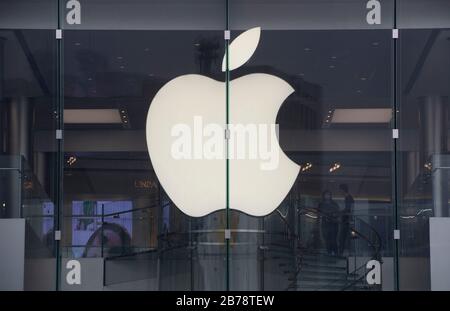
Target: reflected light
311,216
306,167
71,161
92,116
335,167
362,115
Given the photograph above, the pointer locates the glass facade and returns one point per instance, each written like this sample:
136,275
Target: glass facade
358,89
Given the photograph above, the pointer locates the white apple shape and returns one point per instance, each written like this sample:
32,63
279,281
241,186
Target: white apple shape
256,99
197,185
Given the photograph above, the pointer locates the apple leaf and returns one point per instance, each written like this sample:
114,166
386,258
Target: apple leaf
242,48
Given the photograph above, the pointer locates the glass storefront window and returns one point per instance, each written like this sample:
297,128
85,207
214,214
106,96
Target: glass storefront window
28,150
424,69
118,70
334,126
89,119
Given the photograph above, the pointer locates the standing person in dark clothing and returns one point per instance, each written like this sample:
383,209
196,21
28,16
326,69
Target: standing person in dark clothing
329,212
346,218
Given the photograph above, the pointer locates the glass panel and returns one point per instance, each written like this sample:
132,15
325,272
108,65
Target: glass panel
310,215
28,14
423,156
420,14
123,208
27,142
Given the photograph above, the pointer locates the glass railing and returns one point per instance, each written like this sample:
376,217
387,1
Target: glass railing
121,233
286,245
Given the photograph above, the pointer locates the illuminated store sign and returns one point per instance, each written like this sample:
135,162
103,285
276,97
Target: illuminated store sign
259,180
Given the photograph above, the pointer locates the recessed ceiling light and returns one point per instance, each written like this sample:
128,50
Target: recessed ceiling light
306,167
335,167
71,160
92,116
362,115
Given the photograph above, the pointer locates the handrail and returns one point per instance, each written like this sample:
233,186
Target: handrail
375,245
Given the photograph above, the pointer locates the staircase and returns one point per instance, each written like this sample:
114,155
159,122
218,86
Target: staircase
309,268
322,272
327,273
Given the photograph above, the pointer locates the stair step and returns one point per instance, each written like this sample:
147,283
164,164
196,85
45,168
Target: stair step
322,284
319,266
314,285
306,288
330,277
324,258
322,281
339,272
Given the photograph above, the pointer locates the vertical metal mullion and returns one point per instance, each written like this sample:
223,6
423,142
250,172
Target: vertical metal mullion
262,254
395,151
59,124
102,230
227,119
191,256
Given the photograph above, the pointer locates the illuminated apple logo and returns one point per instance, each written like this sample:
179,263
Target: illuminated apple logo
188,145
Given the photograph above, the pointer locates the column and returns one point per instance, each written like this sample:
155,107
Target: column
18,144
433,138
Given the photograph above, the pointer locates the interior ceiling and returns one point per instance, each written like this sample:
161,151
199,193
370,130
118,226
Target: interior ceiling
123,63
110,68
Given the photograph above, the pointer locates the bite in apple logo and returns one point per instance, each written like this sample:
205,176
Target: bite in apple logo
196,183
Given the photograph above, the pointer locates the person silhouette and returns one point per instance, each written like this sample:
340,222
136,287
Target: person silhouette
329,212
346,218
